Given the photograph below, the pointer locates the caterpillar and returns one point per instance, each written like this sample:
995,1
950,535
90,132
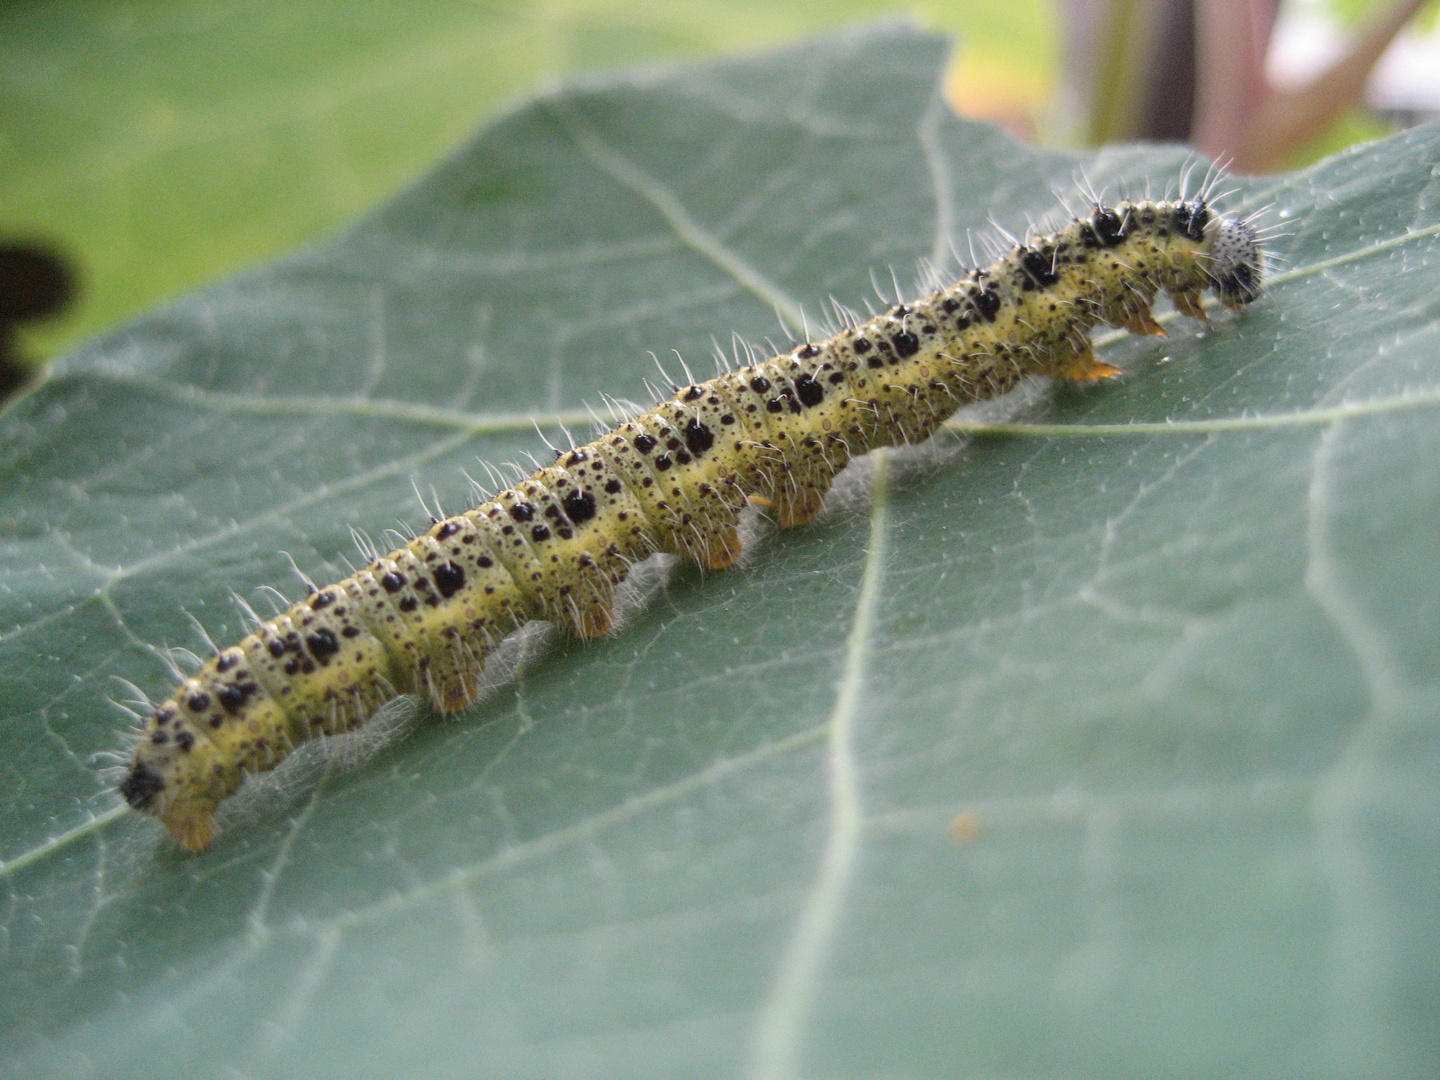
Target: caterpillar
422,619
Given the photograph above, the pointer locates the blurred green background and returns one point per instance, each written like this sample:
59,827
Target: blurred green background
155,147
162,145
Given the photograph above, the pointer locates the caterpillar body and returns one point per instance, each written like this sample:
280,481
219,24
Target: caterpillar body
422,619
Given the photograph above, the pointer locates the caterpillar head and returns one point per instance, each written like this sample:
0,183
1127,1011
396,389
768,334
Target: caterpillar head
173,776
1234,264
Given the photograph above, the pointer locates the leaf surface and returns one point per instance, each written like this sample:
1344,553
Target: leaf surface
1096,738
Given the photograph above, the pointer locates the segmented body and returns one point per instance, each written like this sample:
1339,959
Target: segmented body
423,618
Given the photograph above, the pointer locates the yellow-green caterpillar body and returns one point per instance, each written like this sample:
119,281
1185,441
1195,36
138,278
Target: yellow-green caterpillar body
422,619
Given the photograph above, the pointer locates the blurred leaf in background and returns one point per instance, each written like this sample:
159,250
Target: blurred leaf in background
157,146
147,148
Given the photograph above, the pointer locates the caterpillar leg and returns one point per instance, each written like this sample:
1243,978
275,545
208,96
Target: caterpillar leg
800,507
1187,302
1083,367
710,534
452,675
1140,322
721,549
789,508
194,830
594,620
451,696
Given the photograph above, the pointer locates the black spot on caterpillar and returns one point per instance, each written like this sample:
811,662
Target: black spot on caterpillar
422,619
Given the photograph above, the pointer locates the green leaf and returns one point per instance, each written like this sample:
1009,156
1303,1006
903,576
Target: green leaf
1096,738
160,146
